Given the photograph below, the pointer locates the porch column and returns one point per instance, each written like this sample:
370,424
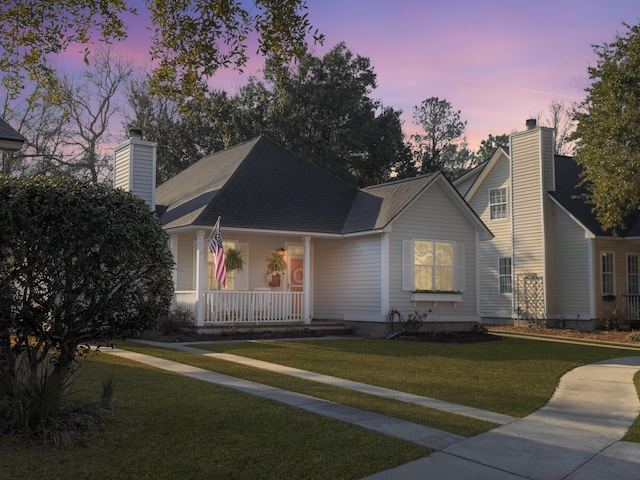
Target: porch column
201,276
306,282
173,246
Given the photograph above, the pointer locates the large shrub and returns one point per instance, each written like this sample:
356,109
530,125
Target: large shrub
79,263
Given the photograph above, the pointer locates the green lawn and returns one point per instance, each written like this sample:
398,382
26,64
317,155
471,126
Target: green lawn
165,426
512,376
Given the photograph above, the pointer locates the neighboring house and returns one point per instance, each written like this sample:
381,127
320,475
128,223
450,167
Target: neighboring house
549,259
10,139
352,255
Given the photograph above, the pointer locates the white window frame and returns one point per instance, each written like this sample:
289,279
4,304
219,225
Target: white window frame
633,274
607,273
499,209
505,279
236,280
409,265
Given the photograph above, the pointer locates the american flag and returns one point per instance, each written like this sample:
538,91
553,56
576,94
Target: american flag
217,253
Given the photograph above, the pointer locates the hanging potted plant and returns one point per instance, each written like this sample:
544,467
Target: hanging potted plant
276,265
233,259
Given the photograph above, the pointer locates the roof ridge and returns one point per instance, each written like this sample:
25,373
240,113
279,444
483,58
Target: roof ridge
401,180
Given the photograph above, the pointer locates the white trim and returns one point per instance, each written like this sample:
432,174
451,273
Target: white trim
201,276
306,280
612,273
627,270
500,275
384,272
592,280
506,202
543,216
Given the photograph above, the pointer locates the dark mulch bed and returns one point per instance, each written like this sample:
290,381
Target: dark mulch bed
190,336
435,337
448,337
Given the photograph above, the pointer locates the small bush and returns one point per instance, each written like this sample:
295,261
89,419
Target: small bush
37,407
176,321
414,322
634,336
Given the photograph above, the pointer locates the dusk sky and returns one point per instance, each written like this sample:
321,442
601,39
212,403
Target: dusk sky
498,62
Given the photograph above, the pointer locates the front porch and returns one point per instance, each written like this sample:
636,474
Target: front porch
261,306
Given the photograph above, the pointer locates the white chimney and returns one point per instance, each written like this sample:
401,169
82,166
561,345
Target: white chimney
135,167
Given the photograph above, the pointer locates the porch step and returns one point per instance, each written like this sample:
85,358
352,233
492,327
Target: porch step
317,328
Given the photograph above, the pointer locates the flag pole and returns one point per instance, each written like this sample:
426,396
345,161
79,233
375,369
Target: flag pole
213,230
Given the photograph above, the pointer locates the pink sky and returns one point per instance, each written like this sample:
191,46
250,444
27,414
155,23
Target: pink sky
499,62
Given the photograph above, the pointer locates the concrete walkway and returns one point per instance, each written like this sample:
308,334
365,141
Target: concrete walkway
575,436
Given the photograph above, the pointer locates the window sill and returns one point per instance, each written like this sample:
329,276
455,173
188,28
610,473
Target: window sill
436,297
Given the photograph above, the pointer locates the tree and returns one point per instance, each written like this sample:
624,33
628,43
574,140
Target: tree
320,108
608,141
489,145
65,135
190,39
183,135
441,127
90,103
457,159
560,117
80,263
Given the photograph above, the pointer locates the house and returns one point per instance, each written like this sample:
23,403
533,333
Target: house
549,260
10,139
352,255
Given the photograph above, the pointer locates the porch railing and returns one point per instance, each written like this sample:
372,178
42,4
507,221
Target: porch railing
225,307
631,305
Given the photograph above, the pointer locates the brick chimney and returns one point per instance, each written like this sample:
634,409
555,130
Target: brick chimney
135,167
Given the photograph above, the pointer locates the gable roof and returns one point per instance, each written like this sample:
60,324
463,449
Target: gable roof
476,175
10,139
396,196
261,185
570,196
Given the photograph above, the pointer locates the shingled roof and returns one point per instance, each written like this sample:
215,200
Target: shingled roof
262,185
570,196
10,139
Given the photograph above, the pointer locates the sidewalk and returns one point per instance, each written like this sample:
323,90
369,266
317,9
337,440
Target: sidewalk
575,436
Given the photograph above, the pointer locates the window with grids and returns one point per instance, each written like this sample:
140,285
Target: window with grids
498,203
435,266
504,275
633,275
607,273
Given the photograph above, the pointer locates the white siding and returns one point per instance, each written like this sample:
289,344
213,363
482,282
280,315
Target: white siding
434,217
528,240
347,278
533,226
572,269
492,302
135,169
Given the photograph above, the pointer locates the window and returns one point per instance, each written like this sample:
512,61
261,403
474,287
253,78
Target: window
433,266
211,270
607,273
504,275
633,275
498,203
